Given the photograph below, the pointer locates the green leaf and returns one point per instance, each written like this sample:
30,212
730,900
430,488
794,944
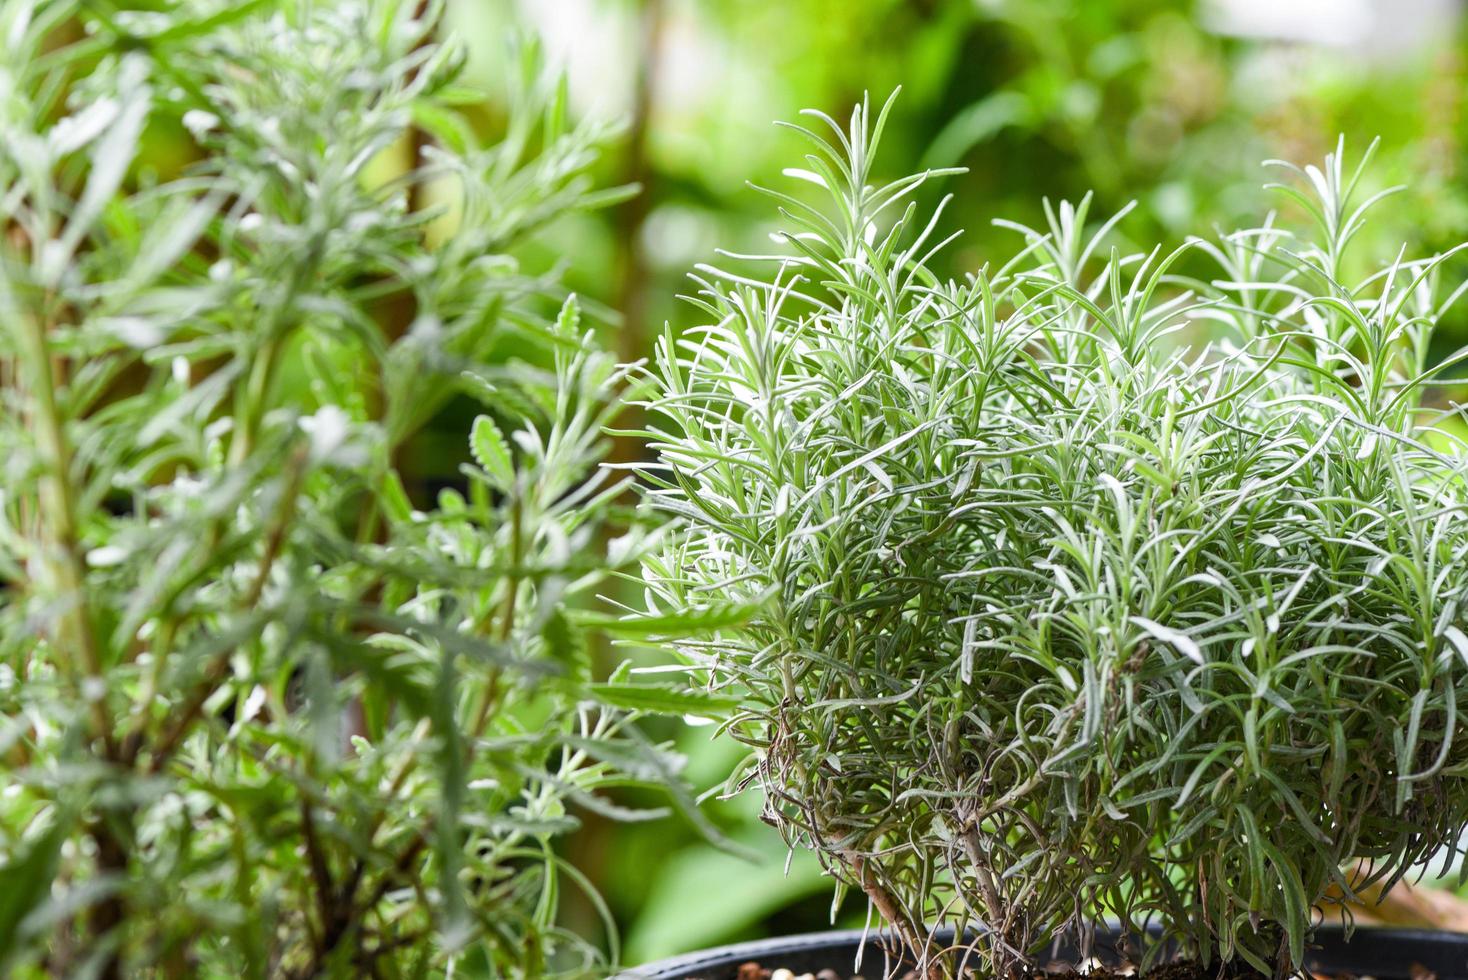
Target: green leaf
1297,905
394,497
569,320
563,641
491,453
452,769
677,914
406,675
664,699
28,878
695,619
111,157
449,128
186,29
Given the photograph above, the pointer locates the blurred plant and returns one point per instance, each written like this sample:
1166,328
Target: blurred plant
263,715
1067,620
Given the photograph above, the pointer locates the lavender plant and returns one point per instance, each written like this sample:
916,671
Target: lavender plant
1096,584
264,713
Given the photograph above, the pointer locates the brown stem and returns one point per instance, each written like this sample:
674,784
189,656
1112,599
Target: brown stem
218,668
108,914
632,216
399,868
417,138
400,308
348,892
348,907
1000,915
911,933
336,919
354,878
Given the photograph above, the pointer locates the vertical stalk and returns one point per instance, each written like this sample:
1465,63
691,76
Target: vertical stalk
251,400
933,962
632,289
64,569
57,532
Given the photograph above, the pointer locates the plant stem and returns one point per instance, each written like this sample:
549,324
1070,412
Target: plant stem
482,716
911,933
58,528
252,401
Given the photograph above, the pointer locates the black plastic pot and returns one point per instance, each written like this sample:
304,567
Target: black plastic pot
1384,954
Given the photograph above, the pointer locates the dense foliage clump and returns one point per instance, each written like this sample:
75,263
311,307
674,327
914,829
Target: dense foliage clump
1095,584
268,708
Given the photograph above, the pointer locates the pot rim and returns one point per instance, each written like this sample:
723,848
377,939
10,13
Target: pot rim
1382,952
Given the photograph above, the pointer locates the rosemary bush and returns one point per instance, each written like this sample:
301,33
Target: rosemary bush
264,715
1070,610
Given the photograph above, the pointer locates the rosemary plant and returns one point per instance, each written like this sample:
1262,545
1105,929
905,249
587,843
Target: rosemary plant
263,714
1094,589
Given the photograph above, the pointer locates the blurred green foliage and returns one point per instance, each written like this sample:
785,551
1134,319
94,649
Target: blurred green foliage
1133,99
267,706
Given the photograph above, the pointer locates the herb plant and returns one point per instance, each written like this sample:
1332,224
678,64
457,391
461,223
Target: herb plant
264,714
1096,584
